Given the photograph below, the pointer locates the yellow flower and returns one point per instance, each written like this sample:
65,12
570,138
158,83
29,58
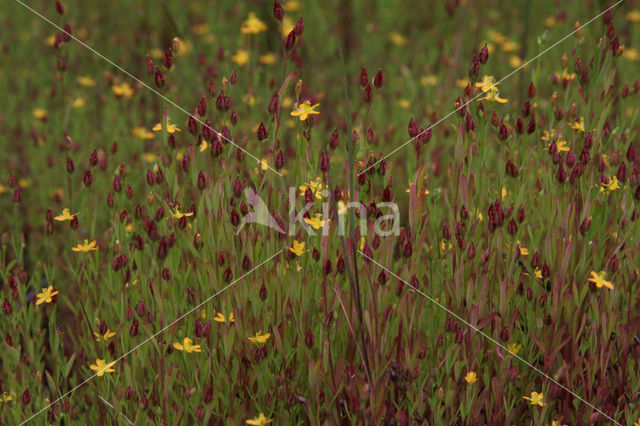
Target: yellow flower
514,348
268,59
260,338
599,281
293,6
5,397
46,296
557,423
536,399
142,133
471,377
106,336
187,346
264,164
65,215
315,186
287,25
241,57
123,90
101,367
429,80
637,422
177,215
523,250
86,81
515,61
171,128
40,113
79,102
297,248
494,97
316,222
509,45
562,146
221,318
633,17
612,185
426,191
259,421
253,25
305,110
631,54
538,273
404,103
86,247
566,75
577,125
397,38
488,84
149,157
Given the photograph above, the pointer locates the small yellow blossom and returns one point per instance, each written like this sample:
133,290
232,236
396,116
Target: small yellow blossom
471,377
171,128
631,54
268,59
142,133
514,348
509,45
221,318
79,102
515,61
557,423
488,84
46,296
538,273
101,367
397,38
297,248
65,215
86,81
292,6
259,421
187,346
5,397
566,75
264,164
633,17
429,80
599,281
260,338
86,247
178,215
106,336
316,222
536,399
315,186
612,185
577,125
253,25
40,114
123,90
305,110
404,103
241,57
494,97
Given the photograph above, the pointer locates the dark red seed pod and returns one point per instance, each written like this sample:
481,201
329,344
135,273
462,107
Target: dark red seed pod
334,139
59,7
483,56
159,78
149,64
631,153
227,275
531,127
309,339
167,59
474,68
93,158
519,126
561,174
262,294
378,80
17,196
278,10
290,41
622,172
202,107
531,91
233,78
246,263
570,160
323,162
70,166
364,77
262,132
367,94
340,265
26,397
87,179
134,328
413,128
503,133
299,27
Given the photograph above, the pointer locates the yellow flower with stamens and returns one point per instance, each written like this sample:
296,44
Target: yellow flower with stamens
268,59
577,125
187,346
241,57
46,296
79,102
297,248
259,338
566,75
633,17
471,377
494,97
315,186
40,113
305,110
316,222
536,399
259,421
514,348
101,367
106,336
65,215
488,84
538,273
177,215
86,81
86,247
612,185
599,281
171,128
253,25
5,397
142,133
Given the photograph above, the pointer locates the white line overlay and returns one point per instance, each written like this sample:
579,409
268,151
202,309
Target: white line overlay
157,333
220,135
494,85
476,329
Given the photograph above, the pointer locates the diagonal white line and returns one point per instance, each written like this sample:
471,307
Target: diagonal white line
157,333
494,85
147,86
494,341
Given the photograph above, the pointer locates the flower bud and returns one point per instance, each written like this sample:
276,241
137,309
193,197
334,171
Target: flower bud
483,56
278,10
87,179
159,78
378,79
